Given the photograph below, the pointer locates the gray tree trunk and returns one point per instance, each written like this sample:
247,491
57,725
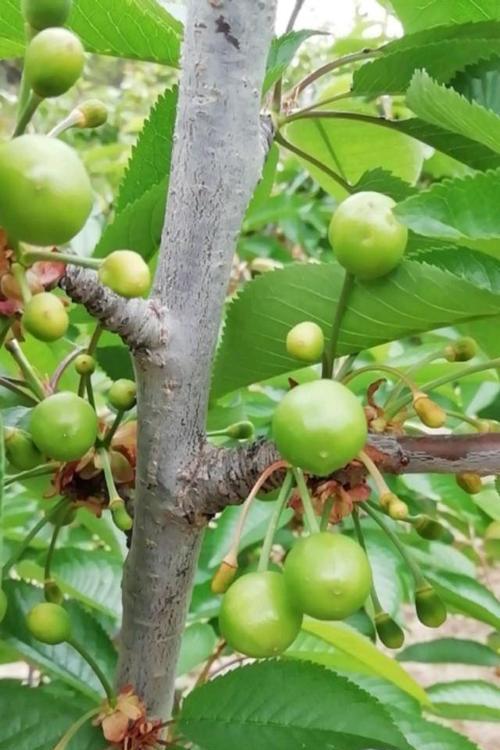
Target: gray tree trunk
217,160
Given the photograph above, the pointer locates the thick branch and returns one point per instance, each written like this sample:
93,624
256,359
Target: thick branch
139,322
217,160
226,476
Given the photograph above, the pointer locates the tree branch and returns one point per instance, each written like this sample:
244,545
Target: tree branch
219,149
139,322
224,477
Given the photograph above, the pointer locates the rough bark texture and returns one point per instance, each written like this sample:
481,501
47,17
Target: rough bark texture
217,160
226,477
137,321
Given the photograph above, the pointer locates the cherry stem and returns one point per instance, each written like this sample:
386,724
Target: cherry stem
279,506
365,54
24,88
112,430
463,418
19,274
90,390
374,472
410,562
401,376
90,351
340,308
294,15
491,364
52,546
279,138
29,537
70,121
29,257
4,329
110,694
74,728
38,471
205,672
325,516
62,367
31,377
113,493
410,372
377,607
27,112
310,515
320,103
16,388
232,556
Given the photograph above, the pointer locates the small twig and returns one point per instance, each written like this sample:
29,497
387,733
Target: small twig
294,15
312,160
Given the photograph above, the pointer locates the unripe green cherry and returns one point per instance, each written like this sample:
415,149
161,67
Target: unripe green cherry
319,426
398,510
46,195
126,273
256,616
122,394
389,632
461,350
52,592
428,528
20,449
3,604
85,364
64,516
367,239
40,14
431,610
92,114
469,482
328,576
306,342
64,426
49,623
241,431
54,62
430,413
45,317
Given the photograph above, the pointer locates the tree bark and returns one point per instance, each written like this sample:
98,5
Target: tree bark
217,160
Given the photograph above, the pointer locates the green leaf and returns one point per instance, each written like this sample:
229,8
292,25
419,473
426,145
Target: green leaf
138,226
137,29
466,699
150,159
60,661
456,209
391,73
351,148
446,108
283,50
283,705
91,576
381,181
36,721
450,651
198,642
425,734
480,83
416,297
467,596
345,639
423,14
115,361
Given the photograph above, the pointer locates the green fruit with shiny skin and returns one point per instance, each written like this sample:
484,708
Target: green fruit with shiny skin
256,616
45,317
319,426
328,576
430,608
64,426
3,604
40,14
367,239
54,62
306,342
20,449
389,632
126,273
122,394
85,364
49,623
46,196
